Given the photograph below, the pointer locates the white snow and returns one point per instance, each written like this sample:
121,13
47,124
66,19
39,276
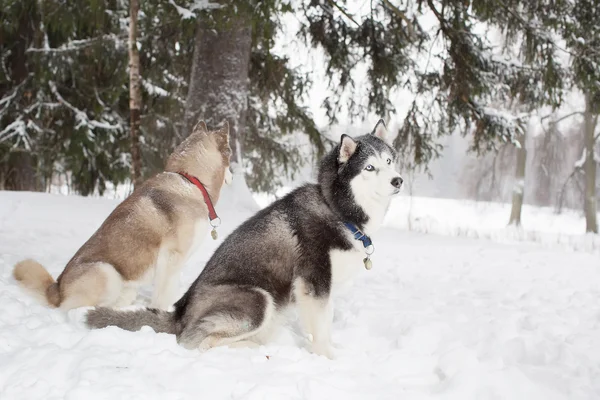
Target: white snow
437,317
154,90
519,186
186,13
73,45
579,163
489,220
17,127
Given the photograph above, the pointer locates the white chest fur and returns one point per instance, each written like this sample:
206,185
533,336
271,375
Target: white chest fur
345,266
200,231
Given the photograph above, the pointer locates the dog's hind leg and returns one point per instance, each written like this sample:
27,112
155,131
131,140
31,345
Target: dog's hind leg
226,314
95,284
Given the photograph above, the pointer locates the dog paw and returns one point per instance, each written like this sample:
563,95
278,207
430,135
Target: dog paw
325,350
336,346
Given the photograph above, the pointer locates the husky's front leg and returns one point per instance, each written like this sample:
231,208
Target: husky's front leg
316,317
166,279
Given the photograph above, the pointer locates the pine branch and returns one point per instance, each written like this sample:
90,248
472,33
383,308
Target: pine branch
81,115
561,118
541,33
186,13
12,129
8,99
437,14
76,45
336,5
402,16
6,54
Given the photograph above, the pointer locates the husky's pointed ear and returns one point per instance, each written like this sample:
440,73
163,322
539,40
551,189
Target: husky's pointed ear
224,128
200,127
347,148
380,130
223,132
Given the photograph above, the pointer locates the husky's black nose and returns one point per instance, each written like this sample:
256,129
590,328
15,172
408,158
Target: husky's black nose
397,182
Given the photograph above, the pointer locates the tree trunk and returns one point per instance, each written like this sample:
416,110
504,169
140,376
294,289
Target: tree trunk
218,88
519,186
589,168
135,95
19,170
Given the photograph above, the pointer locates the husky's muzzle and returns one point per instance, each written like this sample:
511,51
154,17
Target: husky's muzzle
397,184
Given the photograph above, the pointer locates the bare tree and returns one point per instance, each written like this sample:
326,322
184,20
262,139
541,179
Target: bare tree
555,152
519,185
548,162
589,166
135,95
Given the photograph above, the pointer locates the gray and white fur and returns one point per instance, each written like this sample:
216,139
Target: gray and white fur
293,252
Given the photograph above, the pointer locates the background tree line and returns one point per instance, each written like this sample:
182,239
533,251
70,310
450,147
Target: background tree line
483,68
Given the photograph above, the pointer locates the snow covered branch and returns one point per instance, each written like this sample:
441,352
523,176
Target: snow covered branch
401,15
81,116
561,118
188,13
343,11
5,101
155,90
75,45
579,163
17,127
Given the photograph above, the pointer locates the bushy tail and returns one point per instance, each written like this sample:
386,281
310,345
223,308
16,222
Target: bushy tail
159,320
34,277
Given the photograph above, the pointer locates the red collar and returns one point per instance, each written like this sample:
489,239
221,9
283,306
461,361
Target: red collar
212,214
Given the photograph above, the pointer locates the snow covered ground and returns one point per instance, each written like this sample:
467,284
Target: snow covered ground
438,316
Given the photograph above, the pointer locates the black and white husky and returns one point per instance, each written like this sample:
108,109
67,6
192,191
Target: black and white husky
293,252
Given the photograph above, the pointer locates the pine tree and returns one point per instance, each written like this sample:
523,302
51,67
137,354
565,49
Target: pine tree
135,93
535,37
65,108
17,165
454,97
236,76
581,32
68,113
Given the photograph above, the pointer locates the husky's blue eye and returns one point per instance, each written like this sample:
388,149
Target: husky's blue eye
370,168
389,161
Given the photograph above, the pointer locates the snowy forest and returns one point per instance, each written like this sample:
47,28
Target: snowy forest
300,199
505,93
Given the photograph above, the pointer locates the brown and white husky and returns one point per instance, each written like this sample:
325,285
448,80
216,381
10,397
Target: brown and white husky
148,236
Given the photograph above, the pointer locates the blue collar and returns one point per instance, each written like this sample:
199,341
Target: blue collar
359,235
